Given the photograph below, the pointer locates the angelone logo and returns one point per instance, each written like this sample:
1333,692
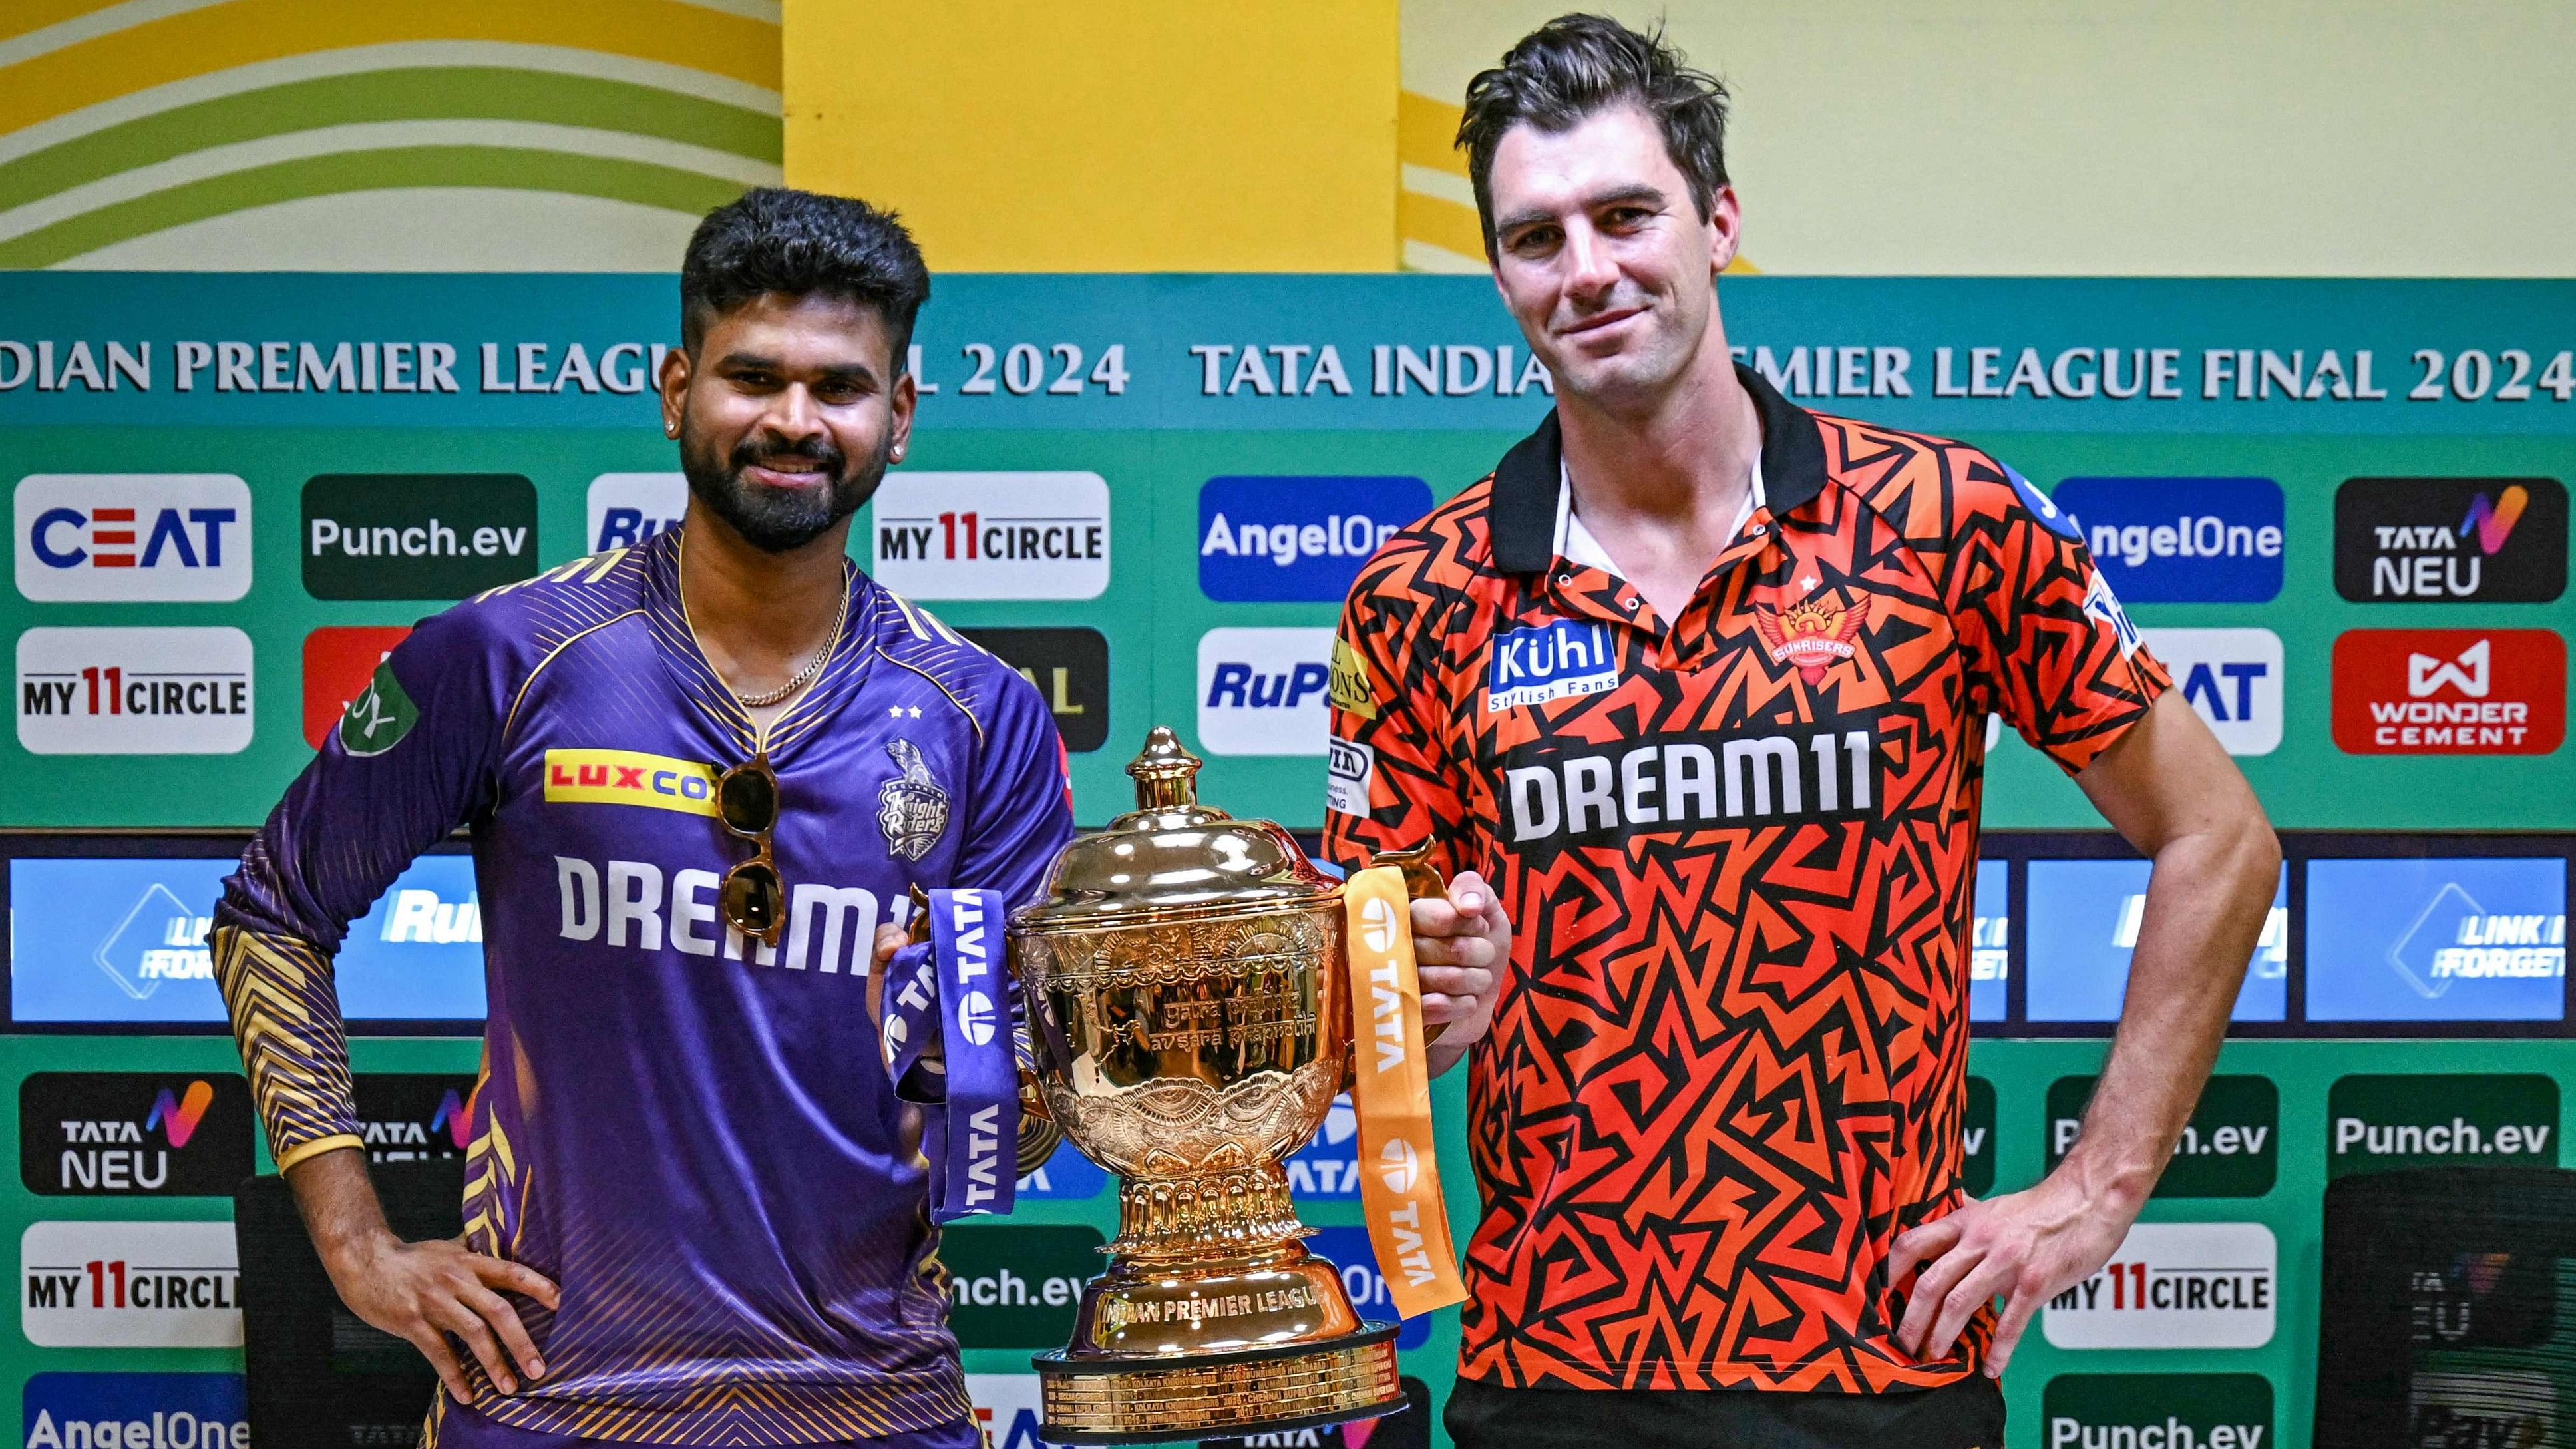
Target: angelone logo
2231,1148
2232,678
992,535
624,510
1812,635
1559,659
1262,690
2453,540
340,662
158,537
2450,691
1070,668
630,777
2395,1122
975,1018
2181,540
146,691
163,1411
417,535
129,1285
92,1134
1297,539
413,1116
2156,1411
2174,1285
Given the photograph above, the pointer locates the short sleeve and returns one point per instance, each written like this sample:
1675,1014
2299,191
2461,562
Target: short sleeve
1388,776
2050,649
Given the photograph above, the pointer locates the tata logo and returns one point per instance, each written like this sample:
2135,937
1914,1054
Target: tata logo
992,535
1297,538
975,1018
2181,540
1398,1165
1329,1165
2232,678
132,1134
625,510
2450,691
1377,924
1348,769
1559,659
2486,540
154,537
1264,691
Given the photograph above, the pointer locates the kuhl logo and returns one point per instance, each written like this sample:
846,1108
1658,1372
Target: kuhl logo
161,537
1559,659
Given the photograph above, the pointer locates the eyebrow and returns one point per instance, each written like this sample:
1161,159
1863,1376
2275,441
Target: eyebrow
835,371
1530,216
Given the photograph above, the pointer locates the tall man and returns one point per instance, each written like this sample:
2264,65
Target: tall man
700,773
1699,679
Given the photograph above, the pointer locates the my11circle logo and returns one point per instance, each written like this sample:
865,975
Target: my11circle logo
2174,1285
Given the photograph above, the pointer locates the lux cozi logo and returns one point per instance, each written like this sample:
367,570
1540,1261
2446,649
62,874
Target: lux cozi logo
629,777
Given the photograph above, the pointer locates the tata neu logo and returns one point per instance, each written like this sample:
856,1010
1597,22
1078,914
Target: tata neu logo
2450,691
156,537
121,1134
417,535
2451,540
147,691
2174,1285
413,1116
338,662
992,535
129,1285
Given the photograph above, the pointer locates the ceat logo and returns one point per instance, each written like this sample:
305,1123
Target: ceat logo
2174,1285
1398,1165
975,1018
338,662
1265,691
156,537
1006,1409
992,535
2232,678
134,691
2450,691
628,509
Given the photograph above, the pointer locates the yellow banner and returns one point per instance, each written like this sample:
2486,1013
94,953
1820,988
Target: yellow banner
1408,1221
629,777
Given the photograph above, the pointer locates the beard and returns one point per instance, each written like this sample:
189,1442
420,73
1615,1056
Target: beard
778,520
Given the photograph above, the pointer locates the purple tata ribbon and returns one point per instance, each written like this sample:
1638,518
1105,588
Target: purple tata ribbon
953,989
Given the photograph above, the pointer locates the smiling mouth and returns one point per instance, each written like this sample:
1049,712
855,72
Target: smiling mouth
1596,323
789,473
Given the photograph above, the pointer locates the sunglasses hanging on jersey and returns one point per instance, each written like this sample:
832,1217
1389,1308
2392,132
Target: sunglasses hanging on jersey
754,899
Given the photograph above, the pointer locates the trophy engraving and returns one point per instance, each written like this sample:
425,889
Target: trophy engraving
1187,990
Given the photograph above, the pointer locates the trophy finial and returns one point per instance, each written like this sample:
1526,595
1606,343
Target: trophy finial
1166,773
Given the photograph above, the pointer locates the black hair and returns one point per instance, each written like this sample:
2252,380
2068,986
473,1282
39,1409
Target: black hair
773,239
1573,68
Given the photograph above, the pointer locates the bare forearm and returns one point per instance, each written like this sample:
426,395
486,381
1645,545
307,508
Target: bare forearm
2206,901
339,1205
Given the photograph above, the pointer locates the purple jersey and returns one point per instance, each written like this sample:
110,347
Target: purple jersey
693,1134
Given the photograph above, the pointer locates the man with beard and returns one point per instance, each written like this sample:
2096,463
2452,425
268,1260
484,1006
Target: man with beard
700,774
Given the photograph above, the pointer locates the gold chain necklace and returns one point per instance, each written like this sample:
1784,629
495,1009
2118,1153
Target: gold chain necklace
812,667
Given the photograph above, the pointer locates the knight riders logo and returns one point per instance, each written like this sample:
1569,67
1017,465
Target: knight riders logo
1812,636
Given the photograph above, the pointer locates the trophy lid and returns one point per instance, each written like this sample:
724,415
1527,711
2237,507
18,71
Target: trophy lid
1172,853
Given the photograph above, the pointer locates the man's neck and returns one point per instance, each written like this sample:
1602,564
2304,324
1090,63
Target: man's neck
758,616
1685,454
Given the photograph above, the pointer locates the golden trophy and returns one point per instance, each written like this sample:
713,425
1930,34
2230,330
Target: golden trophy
1186,983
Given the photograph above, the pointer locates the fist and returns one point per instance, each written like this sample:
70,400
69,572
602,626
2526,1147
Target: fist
1460,943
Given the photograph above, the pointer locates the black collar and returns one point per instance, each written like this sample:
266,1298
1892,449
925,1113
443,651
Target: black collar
1523,510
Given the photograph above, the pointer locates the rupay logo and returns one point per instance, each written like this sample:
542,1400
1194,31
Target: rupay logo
1297,538
2232,678
627,509
161,537
2181,540
1263,691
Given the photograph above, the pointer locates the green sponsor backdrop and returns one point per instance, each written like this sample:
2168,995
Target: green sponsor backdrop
2230,1149
1185,411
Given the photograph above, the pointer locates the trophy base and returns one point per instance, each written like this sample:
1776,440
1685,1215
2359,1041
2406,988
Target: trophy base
1220,1395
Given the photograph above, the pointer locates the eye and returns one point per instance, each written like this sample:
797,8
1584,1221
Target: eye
1534,240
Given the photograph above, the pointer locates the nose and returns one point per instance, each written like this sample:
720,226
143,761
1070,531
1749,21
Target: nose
793,415
1590,269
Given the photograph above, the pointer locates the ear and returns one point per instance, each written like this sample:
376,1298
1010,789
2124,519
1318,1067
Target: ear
675,389
901,402
1725,227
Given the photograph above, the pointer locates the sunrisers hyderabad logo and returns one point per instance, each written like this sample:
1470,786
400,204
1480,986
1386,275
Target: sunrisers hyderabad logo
1811,636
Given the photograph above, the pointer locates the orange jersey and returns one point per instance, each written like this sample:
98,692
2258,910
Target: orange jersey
1729,1057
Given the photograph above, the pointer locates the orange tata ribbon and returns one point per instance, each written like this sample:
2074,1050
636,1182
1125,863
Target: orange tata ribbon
1408,1221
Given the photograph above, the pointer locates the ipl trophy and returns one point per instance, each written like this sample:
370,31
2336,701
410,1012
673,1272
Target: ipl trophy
1186,984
